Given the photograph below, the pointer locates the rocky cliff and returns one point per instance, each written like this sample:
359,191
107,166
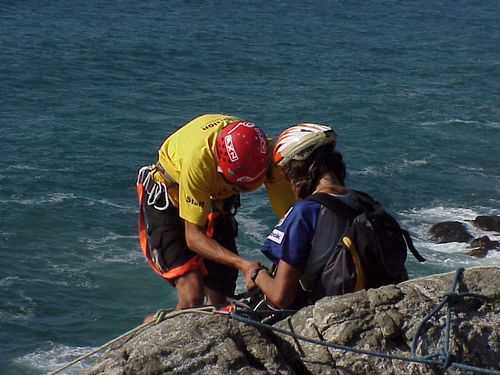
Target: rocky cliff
382,321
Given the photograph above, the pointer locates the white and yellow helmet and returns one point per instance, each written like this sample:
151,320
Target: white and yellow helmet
298,142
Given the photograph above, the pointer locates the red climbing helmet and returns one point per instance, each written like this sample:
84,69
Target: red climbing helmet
242,153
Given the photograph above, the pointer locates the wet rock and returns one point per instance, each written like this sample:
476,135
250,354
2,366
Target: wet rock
449,231
383,320
480,246
487,223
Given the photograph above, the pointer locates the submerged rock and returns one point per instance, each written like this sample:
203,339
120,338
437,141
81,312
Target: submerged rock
382,320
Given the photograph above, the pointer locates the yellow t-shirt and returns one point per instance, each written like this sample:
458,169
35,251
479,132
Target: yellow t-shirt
188,157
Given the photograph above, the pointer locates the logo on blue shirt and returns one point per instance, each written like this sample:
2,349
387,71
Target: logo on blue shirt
276,236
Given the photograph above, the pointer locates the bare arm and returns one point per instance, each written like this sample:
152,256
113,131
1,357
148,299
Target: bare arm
198,242
280,289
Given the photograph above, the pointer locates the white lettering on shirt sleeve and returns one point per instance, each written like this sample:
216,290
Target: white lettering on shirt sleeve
276,236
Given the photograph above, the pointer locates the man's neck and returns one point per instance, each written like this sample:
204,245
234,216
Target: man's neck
329,183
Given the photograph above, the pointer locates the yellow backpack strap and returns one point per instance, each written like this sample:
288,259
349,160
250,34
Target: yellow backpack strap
360,275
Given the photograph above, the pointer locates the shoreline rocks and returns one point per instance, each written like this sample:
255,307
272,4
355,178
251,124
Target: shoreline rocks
456,231
381,320
449,231
487,223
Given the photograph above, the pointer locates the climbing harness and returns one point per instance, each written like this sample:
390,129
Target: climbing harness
146,186
443,360
151,188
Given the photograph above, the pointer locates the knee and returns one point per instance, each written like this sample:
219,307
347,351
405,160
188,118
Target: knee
185,302
190,291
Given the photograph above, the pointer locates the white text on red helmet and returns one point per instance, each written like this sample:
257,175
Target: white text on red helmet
228,141
262,142
246,179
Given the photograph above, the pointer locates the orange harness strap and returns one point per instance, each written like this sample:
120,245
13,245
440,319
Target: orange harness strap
210,229
194,263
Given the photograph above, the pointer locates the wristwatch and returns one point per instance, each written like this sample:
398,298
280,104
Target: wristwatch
255,272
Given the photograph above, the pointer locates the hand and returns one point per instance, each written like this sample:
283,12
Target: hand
247,272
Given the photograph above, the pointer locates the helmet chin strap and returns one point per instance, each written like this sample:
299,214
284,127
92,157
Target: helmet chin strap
219,169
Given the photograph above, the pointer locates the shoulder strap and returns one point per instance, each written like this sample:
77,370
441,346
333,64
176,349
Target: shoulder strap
335,205
412,247
350,213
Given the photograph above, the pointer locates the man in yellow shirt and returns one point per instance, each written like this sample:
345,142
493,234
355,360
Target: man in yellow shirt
188,200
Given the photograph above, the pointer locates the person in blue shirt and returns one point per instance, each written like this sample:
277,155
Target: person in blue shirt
307,158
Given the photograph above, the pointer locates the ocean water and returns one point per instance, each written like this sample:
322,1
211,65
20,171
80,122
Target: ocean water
90,89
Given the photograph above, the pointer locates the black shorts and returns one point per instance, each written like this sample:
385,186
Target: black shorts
166,236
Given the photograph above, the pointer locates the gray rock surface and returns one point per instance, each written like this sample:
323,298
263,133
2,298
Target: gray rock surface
382,320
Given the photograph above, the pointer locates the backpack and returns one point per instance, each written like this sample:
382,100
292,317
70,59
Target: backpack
370,254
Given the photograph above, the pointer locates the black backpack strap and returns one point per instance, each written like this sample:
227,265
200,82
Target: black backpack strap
410,245
335,205
350,213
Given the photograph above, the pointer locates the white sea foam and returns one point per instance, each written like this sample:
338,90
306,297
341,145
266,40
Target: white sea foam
368,171
71,275
473,122
8,281
108,237
457,120
112,248
389,168
413,162
253,227
22,166
105,202
58,197
56,356
489,124
118,256
49,198
31,168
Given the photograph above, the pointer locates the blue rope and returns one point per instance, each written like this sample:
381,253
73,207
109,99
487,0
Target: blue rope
330,345
449,299
445,358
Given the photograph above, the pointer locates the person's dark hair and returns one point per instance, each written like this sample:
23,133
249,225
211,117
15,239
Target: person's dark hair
305,174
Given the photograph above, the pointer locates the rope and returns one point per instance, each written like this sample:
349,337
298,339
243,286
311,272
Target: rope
446,359
451,298
322,343
356,350
159,316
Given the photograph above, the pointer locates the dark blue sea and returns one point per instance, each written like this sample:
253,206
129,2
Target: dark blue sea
90,89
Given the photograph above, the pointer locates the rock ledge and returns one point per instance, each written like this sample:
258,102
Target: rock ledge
382,320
